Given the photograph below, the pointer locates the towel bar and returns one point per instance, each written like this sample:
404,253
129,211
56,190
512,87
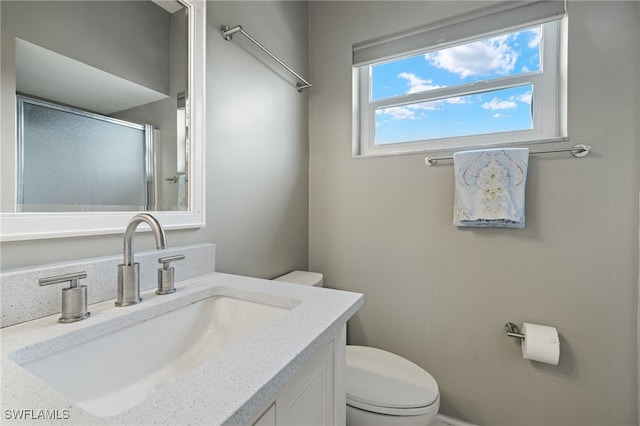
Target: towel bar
577,151
227,34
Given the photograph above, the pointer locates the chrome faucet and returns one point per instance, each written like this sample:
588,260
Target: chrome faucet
129,271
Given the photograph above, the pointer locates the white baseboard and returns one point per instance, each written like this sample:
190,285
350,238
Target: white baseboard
442,420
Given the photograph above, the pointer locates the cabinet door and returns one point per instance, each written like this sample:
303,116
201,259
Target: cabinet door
308,398
268,418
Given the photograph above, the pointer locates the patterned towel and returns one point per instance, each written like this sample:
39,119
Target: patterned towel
489,190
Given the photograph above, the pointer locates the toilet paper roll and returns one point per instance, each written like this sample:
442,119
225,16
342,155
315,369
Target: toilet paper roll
540,343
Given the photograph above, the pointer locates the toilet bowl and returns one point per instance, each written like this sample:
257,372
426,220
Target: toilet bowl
302,277
386,389
383,389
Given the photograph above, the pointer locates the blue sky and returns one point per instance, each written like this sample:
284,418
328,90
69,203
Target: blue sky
497,111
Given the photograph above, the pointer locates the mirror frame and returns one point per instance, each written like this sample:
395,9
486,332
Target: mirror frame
32,226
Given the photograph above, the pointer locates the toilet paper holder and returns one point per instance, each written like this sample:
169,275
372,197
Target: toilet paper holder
513,330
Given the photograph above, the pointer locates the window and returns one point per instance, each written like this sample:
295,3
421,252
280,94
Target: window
447,88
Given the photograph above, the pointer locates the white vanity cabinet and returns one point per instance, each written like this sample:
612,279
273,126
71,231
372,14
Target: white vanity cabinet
316,393
290,370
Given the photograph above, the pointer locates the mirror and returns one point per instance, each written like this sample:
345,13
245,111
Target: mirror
101,115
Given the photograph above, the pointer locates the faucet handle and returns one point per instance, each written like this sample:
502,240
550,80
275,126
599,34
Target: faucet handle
166,274
167,260
74,297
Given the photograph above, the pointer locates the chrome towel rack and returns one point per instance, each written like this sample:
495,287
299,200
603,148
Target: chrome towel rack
577,151
227,34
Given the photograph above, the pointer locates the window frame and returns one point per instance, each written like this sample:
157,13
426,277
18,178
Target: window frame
548,100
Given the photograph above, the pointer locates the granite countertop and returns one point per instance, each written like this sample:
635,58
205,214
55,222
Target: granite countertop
231,387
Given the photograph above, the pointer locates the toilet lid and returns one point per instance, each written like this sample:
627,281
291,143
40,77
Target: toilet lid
382,379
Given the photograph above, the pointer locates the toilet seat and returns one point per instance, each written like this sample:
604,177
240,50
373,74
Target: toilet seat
385,383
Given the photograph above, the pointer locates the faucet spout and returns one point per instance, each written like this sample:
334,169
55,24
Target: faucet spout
158,233
129,271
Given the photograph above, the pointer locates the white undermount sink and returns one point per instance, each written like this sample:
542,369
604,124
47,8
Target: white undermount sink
114,372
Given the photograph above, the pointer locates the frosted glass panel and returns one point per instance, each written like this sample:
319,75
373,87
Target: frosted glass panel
80,162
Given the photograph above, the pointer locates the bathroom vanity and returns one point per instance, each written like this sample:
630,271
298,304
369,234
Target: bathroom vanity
223,349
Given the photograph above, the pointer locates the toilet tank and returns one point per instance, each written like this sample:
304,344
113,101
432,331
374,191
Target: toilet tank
302,277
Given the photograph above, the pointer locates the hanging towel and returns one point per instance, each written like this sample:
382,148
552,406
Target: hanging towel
183,196
489,187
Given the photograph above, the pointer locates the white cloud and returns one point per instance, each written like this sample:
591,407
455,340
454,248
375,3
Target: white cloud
410,111
398,113
417,84
417,111
483,57
459,100
498,115
429,106
534,40
525,98
497,104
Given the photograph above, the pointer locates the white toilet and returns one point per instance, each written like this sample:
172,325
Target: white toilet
382,388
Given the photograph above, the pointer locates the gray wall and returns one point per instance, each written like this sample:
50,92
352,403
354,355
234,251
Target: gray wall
105,27
440,295
165,110
256,153
257,139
